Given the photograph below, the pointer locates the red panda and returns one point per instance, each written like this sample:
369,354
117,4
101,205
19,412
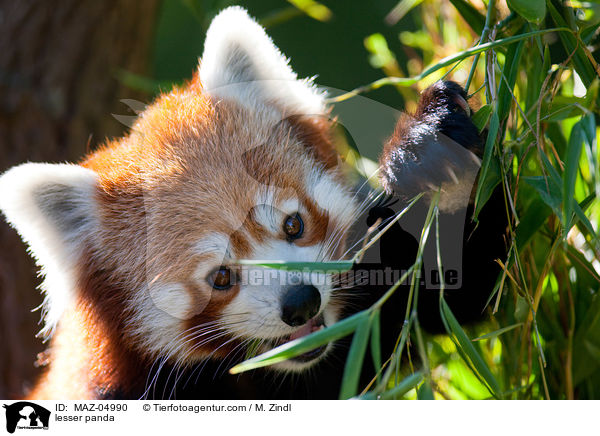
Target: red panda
138,243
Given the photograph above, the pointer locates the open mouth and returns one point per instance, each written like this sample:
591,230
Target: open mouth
314,324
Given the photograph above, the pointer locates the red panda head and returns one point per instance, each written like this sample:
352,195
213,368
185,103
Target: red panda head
145,232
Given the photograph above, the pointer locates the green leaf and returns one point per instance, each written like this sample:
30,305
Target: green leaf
591,96
381,55
574,147
471,15
410,382
425,392
492,179
547,61
447,61
302,345
549,187
593,349
376,340
588,33
355,359
586,344
466,380
329,267
555,133
550,191
531,10
586,276
487,157
313,9
468,350
498,332
482,116
552,172
562,110
569,40
580,214
587,202
508,79
536,65
531,220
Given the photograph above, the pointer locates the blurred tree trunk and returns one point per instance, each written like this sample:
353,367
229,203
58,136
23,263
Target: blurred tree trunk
58,88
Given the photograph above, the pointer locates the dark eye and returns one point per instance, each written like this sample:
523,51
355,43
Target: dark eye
221,279
293,226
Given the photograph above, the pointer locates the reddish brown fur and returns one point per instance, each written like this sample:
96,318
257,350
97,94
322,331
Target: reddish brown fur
89,355
170,178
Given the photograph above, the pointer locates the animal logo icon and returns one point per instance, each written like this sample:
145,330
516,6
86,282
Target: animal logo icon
26,415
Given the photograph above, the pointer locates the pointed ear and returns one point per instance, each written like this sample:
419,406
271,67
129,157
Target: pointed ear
53,209
241,62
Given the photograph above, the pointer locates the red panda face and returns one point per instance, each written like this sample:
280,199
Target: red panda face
238,164
243,186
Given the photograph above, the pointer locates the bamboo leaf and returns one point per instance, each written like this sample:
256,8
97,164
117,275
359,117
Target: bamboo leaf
588,33
355,359
580,214
574,147
410,382
586,344
425,392
571,45
498,332
532,219
537,67
549,190
487,157
552,172
376,339
482,116
563,110
509,77
313,9
322,267
469,350
302,345
447,61
531,10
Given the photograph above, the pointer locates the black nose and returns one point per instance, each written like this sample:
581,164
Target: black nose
299,304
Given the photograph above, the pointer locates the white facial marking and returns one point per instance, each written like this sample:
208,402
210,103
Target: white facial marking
260,298
160,308
215,245
270,215
255,312
158,312
330,196
171,298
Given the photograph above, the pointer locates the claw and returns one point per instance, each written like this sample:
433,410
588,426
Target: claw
463,104
452,175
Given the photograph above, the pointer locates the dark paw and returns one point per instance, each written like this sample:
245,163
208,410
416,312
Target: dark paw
445,104
436,148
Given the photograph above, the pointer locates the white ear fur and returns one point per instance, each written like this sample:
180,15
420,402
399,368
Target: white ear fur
53,209
241,62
